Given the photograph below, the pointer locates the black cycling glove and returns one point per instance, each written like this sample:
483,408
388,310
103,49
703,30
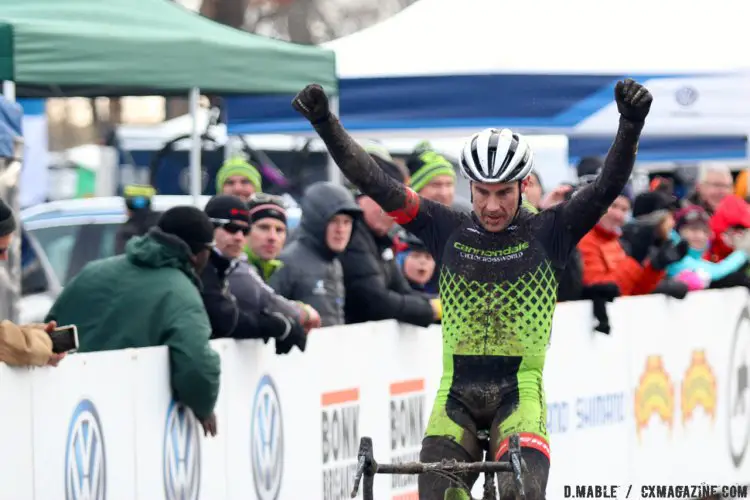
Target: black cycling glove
287,332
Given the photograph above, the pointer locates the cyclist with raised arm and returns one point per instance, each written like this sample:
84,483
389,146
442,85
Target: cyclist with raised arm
498,282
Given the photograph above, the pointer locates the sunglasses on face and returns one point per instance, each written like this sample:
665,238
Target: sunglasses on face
231,227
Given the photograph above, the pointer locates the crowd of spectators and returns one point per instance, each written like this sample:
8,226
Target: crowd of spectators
234,270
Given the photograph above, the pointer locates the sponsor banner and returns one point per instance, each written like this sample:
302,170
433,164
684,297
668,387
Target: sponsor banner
84,440
683,106
16,468
586,383
173,459
242,370
734,394
677,355
670,381
407,410
339,439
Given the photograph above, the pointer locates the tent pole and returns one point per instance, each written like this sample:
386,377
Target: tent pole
196,172
9,90
334,174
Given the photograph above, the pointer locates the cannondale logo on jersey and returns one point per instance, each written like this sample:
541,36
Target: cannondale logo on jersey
267,441
85,457
182,454
738,399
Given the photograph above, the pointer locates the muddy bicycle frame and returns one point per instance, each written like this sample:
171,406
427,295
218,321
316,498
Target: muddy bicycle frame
367,468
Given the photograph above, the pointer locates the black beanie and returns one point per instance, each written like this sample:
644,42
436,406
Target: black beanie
589,165
227,207
392,169
189,224
263,205
649,202
7,221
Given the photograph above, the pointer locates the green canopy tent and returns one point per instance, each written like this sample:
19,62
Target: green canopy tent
88,48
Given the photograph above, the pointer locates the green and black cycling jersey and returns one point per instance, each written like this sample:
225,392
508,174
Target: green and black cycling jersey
498,290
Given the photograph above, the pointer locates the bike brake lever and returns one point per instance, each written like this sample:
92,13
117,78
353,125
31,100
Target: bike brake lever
517,463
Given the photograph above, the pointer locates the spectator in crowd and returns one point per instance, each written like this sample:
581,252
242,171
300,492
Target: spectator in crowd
729,224
533,191
417,265
375,288
268,232
429,174
27,345
150,297
238,177
606,261
141,217
433,177
741,187
570,286
312,272
649,230
231,219
692,226
22,345
714,184
251,291
559,194
589,167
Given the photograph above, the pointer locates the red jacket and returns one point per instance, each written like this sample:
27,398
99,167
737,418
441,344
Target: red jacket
604,260
733,211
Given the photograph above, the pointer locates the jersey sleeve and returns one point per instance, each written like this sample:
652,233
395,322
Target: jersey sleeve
563,226
581,213
360,169
431,222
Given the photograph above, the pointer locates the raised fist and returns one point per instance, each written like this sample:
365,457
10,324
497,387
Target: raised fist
312,103
633,100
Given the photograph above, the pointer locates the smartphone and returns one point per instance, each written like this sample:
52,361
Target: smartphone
64,339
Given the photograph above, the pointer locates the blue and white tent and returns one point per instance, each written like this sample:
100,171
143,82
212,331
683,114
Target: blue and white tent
540,66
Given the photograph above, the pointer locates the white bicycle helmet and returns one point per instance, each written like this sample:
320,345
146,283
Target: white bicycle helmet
493,156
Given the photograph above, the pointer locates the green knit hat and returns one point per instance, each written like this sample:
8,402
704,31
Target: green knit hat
425,164
238,166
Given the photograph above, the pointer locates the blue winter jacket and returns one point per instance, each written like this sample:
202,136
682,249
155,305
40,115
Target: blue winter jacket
694,261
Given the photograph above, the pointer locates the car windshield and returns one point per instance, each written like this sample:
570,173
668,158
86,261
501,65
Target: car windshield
70,247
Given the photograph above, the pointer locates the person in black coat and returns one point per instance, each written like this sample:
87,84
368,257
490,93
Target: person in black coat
231,220
375,288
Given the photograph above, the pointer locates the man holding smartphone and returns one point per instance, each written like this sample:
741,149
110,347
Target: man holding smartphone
150,297
23,345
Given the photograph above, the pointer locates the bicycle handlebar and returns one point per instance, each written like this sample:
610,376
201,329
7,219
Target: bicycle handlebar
367,467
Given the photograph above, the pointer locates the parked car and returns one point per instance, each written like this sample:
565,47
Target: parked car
59,238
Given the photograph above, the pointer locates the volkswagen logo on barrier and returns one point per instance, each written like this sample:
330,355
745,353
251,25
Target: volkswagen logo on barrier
267,441
182,454
686,96
738,399
85,457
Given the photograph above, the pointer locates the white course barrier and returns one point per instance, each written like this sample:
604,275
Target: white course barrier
664,399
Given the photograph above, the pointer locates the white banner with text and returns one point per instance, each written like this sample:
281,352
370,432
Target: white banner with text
662,400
